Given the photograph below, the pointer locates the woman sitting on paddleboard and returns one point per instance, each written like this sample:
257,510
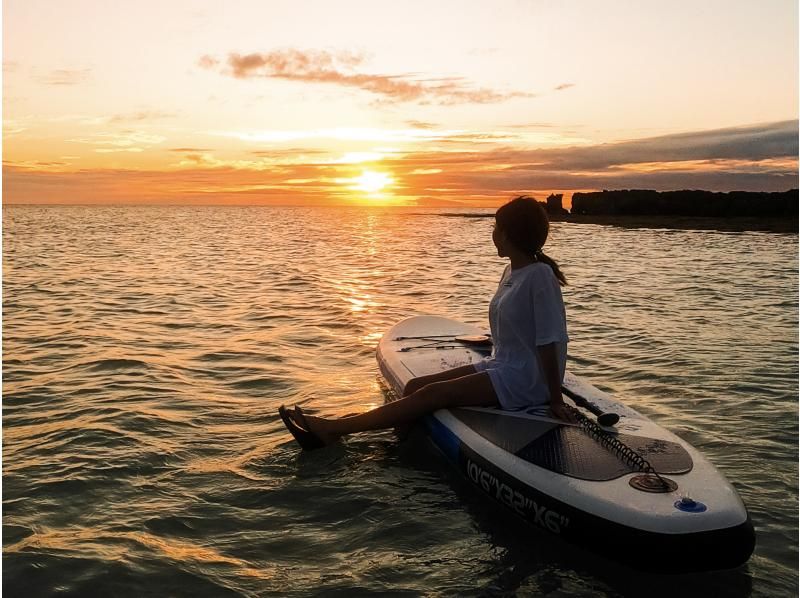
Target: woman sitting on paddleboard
529,331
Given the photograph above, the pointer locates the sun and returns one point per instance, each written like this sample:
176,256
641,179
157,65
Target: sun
372,182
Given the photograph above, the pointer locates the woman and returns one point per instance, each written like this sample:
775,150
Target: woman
529,331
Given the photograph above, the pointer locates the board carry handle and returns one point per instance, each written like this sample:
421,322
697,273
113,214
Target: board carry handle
603,418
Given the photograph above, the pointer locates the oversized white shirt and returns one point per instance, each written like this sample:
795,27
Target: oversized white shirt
526,312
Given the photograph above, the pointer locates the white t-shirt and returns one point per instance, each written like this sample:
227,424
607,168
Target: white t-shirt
527,311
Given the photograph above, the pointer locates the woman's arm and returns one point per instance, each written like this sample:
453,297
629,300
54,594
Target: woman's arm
549,362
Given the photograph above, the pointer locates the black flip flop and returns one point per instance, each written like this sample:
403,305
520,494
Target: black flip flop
305,438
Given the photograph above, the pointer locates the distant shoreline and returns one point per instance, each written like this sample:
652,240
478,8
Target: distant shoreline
727,224
771,224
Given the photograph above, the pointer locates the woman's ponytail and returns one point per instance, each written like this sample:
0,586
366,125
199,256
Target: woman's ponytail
546,259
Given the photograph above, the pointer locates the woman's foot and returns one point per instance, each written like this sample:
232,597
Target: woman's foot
318,426
306,439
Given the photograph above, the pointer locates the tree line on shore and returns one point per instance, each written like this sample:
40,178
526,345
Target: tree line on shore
645,202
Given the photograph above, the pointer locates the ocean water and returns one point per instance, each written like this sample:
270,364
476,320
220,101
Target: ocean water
146,350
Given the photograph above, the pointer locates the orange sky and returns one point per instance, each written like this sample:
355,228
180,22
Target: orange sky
414,103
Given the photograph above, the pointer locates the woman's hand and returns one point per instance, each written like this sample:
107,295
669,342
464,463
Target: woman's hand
560,411
549,363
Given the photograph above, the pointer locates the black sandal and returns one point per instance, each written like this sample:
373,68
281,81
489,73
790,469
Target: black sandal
305,438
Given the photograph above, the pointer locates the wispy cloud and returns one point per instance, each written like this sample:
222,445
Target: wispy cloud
564,86
13,127
481,137
340,134
292,151
534,126
338,69
106,150
207,62
363,134
124,141
419,124
141,116
65,77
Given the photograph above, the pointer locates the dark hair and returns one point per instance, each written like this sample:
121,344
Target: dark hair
525,224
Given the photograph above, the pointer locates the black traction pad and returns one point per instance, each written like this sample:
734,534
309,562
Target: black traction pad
570,450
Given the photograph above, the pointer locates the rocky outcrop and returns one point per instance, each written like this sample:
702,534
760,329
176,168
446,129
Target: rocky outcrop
553,205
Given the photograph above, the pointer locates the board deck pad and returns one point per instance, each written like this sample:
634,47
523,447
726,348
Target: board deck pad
570,450
511,434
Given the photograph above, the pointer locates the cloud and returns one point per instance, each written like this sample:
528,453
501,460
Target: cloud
37,165
364,134
351,134
418,124
753,142
207,62
533,126
750,158
756,158
124,139
479,137
119,149
14,126
197,158
292,151
65,77
564,86
337,69
141,116
200,184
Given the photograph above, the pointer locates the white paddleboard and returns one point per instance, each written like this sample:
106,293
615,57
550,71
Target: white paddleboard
569,480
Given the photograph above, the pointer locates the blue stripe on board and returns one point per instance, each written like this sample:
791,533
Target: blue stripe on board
443,437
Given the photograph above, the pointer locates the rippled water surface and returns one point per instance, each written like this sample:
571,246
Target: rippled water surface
146,351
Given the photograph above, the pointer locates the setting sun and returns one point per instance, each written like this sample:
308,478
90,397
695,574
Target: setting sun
372,182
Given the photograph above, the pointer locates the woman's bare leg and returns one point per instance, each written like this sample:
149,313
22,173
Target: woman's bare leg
415,384
470,390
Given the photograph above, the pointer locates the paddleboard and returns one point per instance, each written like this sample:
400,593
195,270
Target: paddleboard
584,483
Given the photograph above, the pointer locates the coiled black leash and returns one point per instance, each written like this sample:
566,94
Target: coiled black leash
628,456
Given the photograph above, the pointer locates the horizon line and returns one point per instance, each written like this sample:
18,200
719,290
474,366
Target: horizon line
363,204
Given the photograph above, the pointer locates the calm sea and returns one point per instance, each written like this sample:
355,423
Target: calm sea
146,350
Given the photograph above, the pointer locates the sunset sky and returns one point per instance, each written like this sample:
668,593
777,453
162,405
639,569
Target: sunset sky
414,103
